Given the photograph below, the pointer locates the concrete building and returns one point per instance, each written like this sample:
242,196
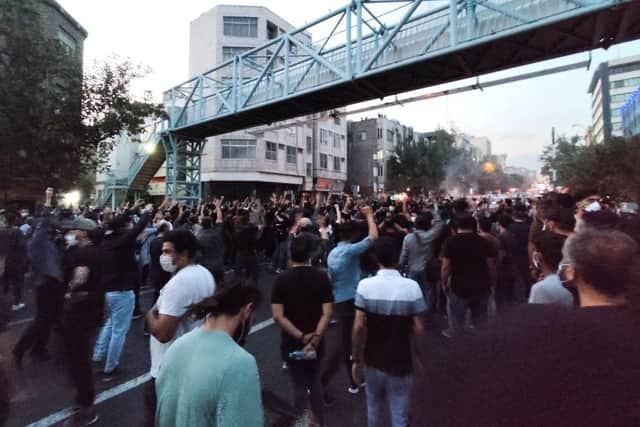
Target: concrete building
57,23
529,175
631,115
479,147
611,85
304,154
371,143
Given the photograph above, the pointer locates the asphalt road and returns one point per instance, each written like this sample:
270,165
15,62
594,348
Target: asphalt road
45,395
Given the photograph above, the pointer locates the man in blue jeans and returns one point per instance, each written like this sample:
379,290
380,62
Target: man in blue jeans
343,264
118,251
389,310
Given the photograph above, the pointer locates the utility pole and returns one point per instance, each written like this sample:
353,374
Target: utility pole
554,174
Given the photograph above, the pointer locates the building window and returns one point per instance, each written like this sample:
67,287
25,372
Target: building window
69,44
379,133
272,151
238,148
272,30
336,164
363,136
240,26
309,170
380,171
230,52
336,140
323,161
390,136
324,136
309,144
291,155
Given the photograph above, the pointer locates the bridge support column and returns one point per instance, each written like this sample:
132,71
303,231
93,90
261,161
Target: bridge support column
184,169
453,22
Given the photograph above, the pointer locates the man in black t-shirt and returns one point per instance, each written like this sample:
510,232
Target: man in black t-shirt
549,366
82,314
468,275
302,304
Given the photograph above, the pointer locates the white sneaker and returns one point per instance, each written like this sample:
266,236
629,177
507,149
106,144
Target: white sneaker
356,389
18,307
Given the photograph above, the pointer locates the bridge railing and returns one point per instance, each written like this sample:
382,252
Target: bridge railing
367,36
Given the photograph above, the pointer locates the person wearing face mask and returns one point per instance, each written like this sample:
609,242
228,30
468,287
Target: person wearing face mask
546,257
549,365
168,320
82,314
207,378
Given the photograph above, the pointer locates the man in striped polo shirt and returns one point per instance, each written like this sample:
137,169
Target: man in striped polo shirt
388,317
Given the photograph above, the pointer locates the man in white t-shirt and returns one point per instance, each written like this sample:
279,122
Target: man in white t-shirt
168,319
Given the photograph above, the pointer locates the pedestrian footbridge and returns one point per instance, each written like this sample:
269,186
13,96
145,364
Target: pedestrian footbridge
375,48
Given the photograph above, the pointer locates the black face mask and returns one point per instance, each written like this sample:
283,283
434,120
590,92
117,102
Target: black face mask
241,334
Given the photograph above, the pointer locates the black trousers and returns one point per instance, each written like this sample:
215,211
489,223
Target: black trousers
79,336
49,304
345,314
13,281
150,403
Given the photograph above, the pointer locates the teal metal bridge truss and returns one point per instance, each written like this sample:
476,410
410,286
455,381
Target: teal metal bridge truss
375,48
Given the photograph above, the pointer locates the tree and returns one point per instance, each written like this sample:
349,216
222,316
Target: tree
421,165
57,126
610,168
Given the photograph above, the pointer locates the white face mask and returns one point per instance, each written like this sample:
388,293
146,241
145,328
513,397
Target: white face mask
71,239
166,262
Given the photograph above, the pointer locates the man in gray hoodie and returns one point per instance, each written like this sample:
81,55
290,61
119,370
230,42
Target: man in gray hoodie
419,251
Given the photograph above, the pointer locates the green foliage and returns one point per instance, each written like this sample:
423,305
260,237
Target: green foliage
610,168
56,125
421,165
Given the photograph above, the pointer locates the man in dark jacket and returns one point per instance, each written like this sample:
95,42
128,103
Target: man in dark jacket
118,280
45,254
211,241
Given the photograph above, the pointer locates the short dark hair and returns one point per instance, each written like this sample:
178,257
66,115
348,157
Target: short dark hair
563,217
550,247
164,227
300,248
386,251
460,205
228,301
601,220
183,240
485,224
423,221
206,223
466,222
606,260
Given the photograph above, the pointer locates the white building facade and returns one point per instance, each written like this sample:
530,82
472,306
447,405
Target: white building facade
612,84
303,154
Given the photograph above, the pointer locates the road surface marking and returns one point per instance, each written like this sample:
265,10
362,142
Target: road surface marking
121,388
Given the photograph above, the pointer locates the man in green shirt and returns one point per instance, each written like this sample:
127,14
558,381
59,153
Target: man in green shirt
207,378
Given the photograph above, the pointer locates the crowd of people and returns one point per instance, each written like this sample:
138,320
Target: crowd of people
382,269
